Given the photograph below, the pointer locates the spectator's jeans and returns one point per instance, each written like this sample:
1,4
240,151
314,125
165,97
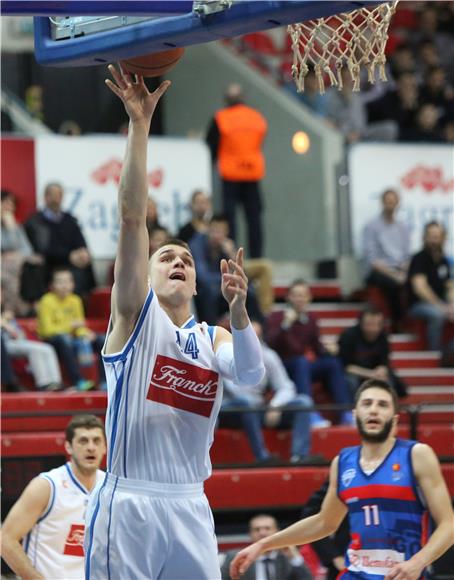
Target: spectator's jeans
298,421
435,319
252,424
7,373
327,369
64,345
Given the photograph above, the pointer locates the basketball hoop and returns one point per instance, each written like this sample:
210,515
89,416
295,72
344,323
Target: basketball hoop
351,39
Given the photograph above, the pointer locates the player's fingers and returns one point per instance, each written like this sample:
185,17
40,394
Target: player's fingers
235,267
236,280
117,75
224,266
113,87
240,257
162,88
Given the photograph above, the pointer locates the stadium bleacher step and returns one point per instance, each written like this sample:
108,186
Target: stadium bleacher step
415,359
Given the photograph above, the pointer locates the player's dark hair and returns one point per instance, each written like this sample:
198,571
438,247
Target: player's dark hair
176,242
219,218
378,384
83,422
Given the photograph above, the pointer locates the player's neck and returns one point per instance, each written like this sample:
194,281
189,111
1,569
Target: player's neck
177,314
371,451
87,479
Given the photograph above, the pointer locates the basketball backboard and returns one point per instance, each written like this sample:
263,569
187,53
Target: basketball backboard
121,29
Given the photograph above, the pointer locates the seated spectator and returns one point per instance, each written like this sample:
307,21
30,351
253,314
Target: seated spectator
200,217
386,243
8,376
311,96
208,250
430,286
426,128
364,351
285,564
16,253
346,111
61,323
436,92
293,333
331,550
57,237
42,360
284,394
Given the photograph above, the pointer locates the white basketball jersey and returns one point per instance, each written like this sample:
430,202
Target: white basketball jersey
164,394
55,544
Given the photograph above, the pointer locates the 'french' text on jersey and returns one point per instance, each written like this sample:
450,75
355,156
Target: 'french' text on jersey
164,395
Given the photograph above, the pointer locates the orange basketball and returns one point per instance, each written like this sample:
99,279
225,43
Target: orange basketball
153,65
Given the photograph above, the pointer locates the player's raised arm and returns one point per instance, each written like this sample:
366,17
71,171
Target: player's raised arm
131,265
303,532
241,362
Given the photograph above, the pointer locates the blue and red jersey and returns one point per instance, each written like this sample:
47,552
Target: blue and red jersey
388,520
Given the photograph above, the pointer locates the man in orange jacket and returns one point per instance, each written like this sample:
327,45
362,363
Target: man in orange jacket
235,138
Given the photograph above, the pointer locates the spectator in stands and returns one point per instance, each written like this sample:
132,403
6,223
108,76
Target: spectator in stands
347,113
56,235
364,351
287,564
437,92
331,549
235,138
157,236
399,105
293,333
284,394
152,214
386,243
41,357
426,128
16,252
430,285
8,376
61,323
200,216
208,250
311,96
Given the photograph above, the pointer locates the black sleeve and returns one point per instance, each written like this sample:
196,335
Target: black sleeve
78,240
225,569
212,139
384,350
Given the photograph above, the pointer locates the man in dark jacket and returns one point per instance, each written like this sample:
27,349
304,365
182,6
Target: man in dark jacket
364,352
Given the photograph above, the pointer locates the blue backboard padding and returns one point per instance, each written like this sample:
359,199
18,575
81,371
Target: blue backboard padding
95,7
164,33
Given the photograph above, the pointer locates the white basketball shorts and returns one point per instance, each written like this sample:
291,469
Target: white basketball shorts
137,530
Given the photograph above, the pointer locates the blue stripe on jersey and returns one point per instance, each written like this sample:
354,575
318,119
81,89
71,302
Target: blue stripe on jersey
190,323
387,505
116,407
74,480
122,355
27,542
131,366
92,527
211,330
108,528
53,492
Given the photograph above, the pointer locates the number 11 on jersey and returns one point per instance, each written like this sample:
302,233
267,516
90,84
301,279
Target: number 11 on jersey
371,515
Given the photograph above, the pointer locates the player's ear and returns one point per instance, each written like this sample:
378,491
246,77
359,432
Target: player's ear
68,448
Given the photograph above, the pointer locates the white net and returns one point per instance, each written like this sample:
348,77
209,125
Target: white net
354,39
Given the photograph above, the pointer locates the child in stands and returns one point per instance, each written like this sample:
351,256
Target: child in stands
61,323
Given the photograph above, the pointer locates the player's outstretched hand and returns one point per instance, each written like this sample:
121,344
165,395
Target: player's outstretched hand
234,281
138,101
244,559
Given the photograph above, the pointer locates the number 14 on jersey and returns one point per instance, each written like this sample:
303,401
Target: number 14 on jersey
190,347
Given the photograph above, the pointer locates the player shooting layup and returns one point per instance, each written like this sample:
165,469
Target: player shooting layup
151,519
388,486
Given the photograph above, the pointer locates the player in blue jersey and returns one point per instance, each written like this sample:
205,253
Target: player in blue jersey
388,486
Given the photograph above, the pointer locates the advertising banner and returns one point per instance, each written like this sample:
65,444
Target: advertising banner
89,169
422,174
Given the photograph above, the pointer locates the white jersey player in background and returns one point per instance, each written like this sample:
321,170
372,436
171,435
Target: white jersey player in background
49,516
151,519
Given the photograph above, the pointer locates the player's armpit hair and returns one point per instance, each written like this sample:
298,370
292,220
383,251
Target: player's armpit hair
241,361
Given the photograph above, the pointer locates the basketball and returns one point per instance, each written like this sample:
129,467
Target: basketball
153,65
